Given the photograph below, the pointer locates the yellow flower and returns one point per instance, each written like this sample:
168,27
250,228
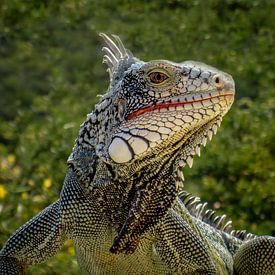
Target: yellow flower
30,182
70,247
4,164
24,195
16,171
71,250
11,159
3,191
47,183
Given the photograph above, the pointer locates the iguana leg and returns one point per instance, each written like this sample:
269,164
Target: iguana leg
10,266
34,242
256,257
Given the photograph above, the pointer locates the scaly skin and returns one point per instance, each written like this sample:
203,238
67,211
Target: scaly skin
122,202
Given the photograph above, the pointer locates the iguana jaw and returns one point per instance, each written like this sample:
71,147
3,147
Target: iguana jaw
151,129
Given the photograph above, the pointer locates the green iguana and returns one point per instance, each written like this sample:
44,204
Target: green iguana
123,202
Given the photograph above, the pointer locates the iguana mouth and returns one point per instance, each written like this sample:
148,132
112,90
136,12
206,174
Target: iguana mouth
180,102
154,126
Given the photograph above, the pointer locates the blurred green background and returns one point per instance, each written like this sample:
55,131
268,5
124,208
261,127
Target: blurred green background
51,72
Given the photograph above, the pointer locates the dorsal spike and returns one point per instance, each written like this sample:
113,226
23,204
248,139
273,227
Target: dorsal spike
111,56
121,47
210,213
112,46
240,234
198,210
106,60
117,57
183,195
220,221
188,199
193,202
250,236
215,219
227,227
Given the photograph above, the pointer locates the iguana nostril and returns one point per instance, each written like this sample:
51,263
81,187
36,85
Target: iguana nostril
218,81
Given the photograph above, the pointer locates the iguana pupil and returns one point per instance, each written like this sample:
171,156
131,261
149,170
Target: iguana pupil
157,77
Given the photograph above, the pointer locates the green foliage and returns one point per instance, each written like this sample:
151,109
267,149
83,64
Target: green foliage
50,73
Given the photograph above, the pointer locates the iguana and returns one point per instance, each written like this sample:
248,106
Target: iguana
123,202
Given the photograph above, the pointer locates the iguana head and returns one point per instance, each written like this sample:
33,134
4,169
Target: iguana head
158,109
152,121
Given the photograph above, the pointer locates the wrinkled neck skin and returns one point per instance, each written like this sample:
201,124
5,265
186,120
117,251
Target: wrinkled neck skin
136,205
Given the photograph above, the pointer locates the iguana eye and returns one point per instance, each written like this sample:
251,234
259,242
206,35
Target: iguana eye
157,77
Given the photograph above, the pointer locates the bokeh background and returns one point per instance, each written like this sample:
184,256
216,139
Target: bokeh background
51,72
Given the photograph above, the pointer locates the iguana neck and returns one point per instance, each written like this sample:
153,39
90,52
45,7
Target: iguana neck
125,203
